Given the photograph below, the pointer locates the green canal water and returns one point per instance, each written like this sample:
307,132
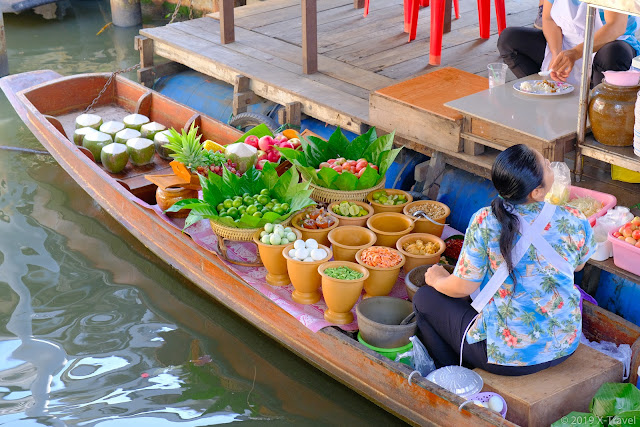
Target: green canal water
94,330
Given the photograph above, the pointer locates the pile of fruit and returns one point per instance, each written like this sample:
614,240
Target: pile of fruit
350,209
316,218
307,251
385,198
267,147
276,234
630,232
254,205
356,167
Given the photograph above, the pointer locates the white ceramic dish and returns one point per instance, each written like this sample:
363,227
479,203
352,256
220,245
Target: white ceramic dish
563,88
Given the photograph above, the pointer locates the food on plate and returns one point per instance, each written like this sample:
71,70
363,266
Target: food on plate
541,86
307,251
385,198
420,247
111,127
316,218
135,121
114,157
276,234
350,209
141,151
587,205
630,232
94,141
380,257
88,120
149,130
343,273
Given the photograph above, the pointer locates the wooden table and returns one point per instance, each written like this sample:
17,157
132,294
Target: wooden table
502,117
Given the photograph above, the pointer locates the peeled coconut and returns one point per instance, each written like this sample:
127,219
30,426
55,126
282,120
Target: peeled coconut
141,151
114,157
243,155
78,134
126,134
135,121
149,130
94,141
88,120
160,140
112,128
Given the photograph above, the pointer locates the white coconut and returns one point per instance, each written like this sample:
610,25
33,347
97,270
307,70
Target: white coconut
88,120
114,157
149,130
78,134
161,139
135,121
112,127
140,151
126,134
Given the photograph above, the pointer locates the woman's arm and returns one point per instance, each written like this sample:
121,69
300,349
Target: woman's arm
616,25
551,31
448,284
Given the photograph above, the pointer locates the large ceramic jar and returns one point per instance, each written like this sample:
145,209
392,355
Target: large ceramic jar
169,196
611,113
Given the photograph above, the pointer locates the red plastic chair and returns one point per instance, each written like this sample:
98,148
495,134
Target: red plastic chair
408,4
437,23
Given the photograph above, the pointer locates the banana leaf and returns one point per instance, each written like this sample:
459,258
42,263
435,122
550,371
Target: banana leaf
259,131
215,189
376,150
578,419
615,398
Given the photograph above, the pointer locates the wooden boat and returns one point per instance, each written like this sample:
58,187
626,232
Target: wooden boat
48,104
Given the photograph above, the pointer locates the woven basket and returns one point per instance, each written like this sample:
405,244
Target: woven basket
239,234
327,195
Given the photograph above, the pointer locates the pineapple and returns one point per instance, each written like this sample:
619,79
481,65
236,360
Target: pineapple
187,148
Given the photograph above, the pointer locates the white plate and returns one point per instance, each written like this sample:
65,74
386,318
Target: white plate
563,88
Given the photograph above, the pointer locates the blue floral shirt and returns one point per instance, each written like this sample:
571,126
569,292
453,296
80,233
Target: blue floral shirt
539,318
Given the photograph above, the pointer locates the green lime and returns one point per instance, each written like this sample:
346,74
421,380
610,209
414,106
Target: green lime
237,203
237,197
228,203
258,214
286,207
220,207
262,199
251,210
354,210
336,209
377,194
269,206
402,197
233,212
383,199
242,209
246,195
223,214
275,201
363,212
344,210
264,192
264,210
248,201
278,209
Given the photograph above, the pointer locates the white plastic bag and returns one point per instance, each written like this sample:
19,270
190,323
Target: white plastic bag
419,357
620,352
559,193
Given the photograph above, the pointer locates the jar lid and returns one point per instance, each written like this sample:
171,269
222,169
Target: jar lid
457,379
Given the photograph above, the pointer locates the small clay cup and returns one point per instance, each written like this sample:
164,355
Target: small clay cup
423,225
381,280
273,261
320,235
305,277
348,220
167,197
380,208
389,227
349,239
415,260
341,295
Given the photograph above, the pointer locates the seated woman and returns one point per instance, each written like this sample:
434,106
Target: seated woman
521,254
558,47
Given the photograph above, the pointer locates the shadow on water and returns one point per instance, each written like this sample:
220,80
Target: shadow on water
94,329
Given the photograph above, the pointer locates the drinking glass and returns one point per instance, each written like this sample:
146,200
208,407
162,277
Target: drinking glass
497,74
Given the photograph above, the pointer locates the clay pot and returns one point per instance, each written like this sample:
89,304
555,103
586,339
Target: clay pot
273,261
414,279
380,280
414,261
379,321
169,196
304,276
611,113
341,295
380,208
349,239
320,235
424,225
389,227
360,221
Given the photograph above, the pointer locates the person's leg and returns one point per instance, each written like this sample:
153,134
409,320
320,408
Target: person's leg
615,56
522,49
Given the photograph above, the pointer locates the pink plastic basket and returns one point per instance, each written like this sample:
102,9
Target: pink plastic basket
608,201
625,255
485,396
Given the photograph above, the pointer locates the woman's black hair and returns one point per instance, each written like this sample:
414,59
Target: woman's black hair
516,172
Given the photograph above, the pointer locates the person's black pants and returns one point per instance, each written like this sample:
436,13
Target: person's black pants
522,49
442,321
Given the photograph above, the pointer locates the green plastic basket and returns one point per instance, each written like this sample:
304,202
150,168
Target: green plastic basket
389,353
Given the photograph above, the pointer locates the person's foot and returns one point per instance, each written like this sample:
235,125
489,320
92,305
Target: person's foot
538,22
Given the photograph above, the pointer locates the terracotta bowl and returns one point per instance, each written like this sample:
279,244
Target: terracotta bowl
360,221
381,280
415,260
414,279
304,276
389,227
424,225
320,235
380,208
341,295
379,321
349,239
274,262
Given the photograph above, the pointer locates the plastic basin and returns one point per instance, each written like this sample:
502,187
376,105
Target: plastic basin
390,353
608,201
379,321
625,255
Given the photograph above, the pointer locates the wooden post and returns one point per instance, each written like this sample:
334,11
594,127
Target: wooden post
242,95
146,74
358,4
446,28
4,60
227,32
291,114
309,36
126,13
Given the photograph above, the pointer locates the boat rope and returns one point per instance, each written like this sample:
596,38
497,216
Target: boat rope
23,150
106,85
